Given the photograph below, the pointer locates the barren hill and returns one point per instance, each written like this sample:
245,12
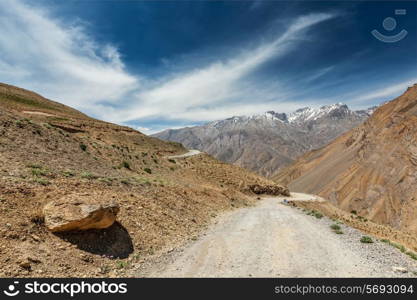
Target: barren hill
267,142
371,170
49,151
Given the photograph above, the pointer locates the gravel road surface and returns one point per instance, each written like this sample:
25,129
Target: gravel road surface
188,154
272,239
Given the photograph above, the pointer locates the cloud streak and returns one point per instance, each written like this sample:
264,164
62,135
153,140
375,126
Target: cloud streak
385,93
62,62
58,60
205,94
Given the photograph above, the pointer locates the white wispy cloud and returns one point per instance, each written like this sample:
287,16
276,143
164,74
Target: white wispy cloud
319,73
144,130
206,93
59,60
382,93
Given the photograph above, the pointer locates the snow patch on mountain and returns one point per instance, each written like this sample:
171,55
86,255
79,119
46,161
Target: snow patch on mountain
310,114
300,116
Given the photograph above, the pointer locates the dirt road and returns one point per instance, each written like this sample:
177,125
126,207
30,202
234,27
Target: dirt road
191,152
275,240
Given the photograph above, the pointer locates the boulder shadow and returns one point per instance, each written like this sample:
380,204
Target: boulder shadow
113,242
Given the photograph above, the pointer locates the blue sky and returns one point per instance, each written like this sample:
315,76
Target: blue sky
166,64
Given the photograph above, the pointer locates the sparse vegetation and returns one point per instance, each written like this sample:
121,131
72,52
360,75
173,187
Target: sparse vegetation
400,247
39,172
41,181
147,170
83,147
68,173
106,180
88,175
19,123
360,218
316,214
25,101
412,255
57,119
34,166
172,161
126,165
141,180
354,212
335,227
121,264
366,240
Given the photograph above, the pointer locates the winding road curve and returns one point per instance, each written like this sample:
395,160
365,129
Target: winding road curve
272,239
191,152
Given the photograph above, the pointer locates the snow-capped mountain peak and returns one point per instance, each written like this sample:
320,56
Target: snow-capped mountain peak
310,114
299,117
271,115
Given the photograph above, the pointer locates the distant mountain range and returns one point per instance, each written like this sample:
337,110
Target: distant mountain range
267,142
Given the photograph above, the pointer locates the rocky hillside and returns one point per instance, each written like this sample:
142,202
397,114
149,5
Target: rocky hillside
267,142
370,170
61,170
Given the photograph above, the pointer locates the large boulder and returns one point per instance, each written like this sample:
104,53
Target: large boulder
80,212
276,190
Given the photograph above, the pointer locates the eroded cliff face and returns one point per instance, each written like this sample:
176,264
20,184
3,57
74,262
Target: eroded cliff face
371,169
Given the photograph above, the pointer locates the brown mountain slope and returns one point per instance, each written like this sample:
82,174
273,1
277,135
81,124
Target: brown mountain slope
372,169
48,151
